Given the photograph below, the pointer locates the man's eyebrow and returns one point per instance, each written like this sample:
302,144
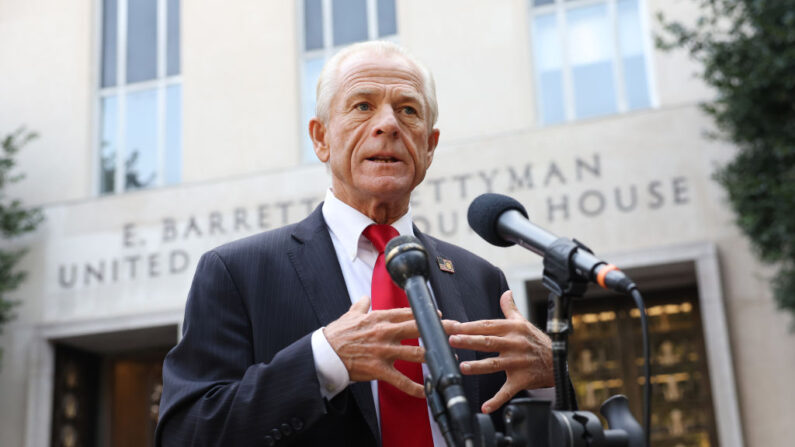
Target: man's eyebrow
410,96
367,92
361,92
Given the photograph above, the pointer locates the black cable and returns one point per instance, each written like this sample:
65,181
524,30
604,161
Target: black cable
644,327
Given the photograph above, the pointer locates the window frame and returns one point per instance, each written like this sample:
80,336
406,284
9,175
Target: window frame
121,89
559,9
327,51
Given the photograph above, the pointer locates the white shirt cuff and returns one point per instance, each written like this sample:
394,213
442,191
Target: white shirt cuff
544,393
331,372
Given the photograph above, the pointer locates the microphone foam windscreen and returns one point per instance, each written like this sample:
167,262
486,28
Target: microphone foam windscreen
405,257
485,211
400,240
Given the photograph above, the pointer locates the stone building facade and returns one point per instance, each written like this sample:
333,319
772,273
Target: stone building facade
169,127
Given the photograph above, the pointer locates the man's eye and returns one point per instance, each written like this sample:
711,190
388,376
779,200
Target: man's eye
363,106
410,110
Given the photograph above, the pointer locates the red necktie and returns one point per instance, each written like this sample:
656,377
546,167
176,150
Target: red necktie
404,418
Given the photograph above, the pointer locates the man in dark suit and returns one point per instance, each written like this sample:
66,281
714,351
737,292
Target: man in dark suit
282,343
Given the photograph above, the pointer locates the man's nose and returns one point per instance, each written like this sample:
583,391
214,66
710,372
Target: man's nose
386,123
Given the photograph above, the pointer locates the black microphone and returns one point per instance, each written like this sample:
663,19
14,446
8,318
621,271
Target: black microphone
503,221
407,264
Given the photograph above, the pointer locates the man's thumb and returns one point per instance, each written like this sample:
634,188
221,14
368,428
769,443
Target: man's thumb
362,306
508,306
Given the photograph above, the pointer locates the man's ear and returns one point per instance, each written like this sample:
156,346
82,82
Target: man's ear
433,141
317,132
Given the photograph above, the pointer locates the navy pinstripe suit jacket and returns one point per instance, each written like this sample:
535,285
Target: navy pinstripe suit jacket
243,373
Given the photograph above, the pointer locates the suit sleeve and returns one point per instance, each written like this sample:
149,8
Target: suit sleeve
213,392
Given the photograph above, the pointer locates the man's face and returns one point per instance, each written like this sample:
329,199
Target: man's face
378,140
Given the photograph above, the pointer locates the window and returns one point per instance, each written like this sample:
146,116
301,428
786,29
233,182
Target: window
329,25
140,96
590,58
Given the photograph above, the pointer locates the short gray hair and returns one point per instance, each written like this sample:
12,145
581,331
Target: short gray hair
327,83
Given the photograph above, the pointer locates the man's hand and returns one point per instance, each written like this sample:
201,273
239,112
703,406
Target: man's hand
369,343
525,352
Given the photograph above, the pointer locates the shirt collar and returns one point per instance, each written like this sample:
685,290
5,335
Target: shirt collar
347,223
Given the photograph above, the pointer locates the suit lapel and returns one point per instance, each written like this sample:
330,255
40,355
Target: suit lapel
450,301
315,261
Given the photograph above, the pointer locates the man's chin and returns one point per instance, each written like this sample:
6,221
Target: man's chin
385,190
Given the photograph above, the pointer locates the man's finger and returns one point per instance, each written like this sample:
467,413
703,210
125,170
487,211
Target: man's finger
489,365
484,327
503,395
449,326
408,353
405,329
508,306
483,343
395,315
403,383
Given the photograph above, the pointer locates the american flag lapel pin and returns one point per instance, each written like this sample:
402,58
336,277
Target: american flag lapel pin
445,265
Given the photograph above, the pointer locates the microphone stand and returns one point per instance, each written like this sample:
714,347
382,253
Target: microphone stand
438,410
444,387
407,264
564,283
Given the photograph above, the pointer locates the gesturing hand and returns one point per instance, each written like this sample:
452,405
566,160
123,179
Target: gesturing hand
525,352
369,343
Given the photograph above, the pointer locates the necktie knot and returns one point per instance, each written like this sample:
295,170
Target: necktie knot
379,235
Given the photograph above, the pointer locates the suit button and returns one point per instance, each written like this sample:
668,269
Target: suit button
297,424
269,441
277,435
286,429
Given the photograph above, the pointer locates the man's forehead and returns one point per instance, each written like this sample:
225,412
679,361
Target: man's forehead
375,67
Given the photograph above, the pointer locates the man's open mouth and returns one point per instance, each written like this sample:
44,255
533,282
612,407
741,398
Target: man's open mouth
382,159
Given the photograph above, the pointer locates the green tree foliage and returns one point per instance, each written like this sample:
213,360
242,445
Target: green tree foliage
15,220
747,48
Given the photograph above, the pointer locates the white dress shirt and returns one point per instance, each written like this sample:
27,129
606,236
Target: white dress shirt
357,256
